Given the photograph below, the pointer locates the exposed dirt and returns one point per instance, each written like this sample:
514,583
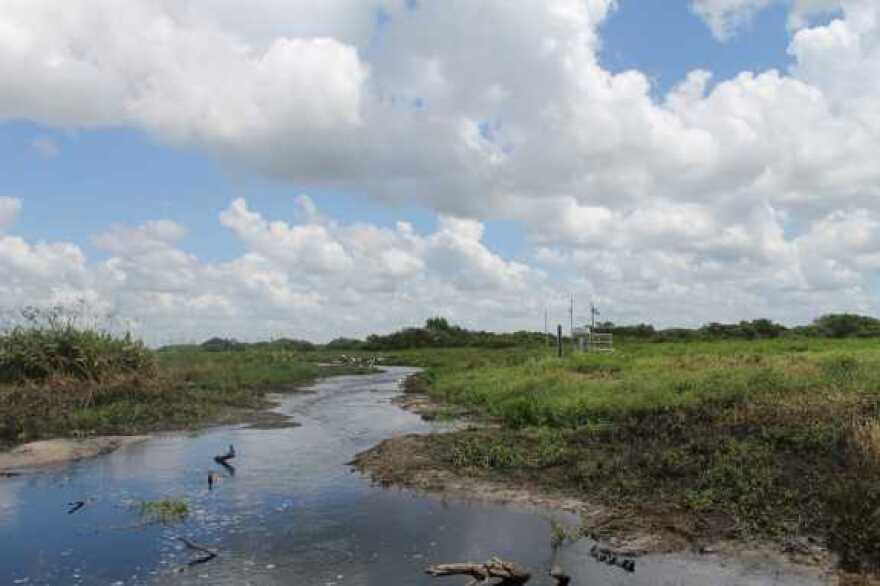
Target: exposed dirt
420,462
57,451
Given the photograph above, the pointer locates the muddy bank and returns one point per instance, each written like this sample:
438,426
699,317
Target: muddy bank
428,464
58,451
49,452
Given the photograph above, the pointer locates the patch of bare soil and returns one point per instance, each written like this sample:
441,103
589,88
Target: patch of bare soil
421,463
57,451
413,461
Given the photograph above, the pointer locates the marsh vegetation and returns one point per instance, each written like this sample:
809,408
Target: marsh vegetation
60,378
718,435
774,439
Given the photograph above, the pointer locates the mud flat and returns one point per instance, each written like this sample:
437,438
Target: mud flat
59,451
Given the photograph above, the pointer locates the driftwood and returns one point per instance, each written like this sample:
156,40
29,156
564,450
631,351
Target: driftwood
75,506
223,460
508,573
209,554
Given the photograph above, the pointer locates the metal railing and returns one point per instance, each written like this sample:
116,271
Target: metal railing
600,342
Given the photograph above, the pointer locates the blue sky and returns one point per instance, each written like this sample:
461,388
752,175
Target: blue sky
119,175
754,201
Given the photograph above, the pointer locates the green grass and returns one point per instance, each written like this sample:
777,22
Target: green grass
744,439
165,511
169,390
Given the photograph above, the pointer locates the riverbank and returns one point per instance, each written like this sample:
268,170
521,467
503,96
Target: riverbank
185,391
694,444
58,451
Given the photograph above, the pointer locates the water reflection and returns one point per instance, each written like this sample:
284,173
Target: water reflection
293,514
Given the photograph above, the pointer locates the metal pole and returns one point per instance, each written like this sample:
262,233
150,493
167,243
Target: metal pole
546,328
559,340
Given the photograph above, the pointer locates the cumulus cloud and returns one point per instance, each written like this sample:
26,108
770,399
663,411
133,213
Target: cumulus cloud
314,278
684,265
749,190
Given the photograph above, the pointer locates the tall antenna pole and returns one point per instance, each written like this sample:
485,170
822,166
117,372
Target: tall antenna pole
546,327
571,317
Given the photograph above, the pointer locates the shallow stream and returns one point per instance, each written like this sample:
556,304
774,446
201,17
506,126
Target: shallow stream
294,513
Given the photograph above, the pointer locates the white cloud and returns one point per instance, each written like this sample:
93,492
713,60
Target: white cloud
669,264
726,18
741,199
316,278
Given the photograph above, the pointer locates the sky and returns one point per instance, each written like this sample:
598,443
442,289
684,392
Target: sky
315,170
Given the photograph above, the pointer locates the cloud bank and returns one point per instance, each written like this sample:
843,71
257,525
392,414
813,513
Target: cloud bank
755,195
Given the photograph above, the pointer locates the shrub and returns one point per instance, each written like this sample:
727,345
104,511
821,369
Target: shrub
843,325
37,353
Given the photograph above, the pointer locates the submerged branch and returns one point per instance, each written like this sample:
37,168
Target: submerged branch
209,554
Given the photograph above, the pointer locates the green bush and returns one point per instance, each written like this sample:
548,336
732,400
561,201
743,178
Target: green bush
38,353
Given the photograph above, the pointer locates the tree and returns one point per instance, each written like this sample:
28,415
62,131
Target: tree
437,323
842,325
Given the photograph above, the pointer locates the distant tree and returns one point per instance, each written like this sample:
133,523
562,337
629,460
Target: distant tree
222,345
640,331
345,344
437,323
842,325
765,328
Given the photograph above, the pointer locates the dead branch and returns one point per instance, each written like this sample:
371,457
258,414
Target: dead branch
508,573
223,460
75,506
209,554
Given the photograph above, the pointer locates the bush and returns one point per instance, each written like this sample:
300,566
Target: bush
844,325
37,353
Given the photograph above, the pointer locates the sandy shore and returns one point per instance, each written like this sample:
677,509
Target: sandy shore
57,451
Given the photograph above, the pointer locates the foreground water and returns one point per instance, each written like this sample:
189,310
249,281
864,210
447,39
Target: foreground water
294,513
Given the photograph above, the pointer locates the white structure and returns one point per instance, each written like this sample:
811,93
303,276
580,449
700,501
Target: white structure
588,340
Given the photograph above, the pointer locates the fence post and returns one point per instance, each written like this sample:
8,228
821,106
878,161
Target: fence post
559,340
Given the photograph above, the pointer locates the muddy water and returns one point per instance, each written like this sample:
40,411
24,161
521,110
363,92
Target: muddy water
294,513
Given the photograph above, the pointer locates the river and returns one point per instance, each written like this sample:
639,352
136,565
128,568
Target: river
294,513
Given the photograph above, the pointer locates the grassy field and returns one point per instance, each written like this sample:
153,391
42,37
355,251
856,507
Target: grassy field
58,382
736,439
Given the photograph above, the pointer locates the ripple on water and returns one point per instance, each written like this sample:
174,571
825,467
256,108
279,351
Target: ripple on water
293,513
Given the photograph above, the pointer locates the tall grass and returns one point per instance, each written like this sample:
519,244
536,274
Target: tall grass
61,375
52,344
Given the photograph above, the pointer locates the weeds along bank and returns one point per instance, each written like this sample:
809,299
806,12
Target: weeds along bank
59,380
710,440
